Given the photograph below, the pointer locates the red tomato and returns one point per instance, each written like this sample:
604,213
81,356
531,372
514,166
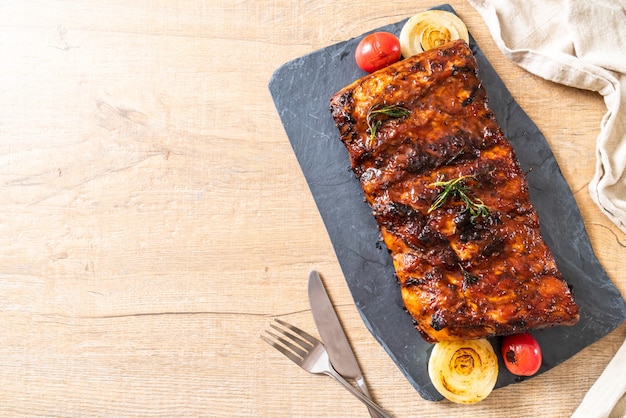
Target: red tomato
522,354
377,50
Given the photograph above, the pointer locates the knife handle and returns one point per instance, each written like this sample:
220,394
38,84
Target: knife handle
360,382
367,401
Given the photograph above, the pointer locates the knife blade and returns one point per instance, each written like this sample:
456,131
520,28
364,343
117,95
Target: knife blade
333,335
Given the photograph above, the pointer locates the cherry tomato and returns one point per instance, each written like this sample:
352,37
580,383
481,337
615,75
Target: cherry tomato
377,50
521,354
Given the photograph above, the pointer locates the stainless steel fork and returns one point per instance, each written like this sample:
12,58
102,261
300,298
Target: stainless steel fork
310,354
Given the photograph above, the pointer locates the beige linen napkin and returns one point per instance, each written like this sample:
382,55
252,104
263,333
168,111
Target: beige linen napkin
582,44
606,391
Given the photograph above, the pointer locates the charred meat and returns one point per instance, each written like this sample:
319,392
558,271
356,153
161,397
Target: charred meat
450,199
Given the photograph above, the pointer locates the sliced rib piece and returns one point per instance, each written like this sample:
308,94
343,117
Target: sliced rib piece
450,199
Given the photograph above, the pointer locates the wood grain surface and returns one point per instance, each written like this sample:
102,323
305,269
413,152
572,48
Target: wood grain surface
154,218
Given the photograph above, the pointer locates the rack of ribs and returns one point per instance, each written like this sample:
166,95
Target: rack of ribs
450,199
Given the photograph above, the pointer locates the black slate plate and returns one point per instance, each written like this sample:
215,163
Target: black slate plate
301,90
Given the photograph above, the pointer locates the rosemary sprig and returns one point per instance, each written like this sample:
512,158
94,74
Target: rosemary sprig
458,188
468,278
373,116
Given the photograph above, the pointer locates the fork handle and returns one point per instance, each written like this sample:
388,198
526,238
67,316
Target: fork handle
367,401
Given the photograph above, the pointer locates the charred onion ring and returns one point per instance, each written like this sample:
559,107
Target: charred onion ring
430,29
463,371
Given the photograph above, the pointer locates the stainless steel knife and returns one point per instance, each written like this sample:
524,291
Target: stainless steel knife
333,336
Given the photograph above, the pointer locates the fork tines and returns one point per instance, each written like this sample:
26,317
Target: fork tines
296,344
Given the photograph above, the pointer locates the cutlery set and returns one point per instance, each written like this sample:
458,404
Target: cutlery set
334,357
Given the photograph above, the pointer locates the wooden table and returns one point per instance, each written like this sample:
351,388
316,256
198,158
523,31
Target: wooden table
154,218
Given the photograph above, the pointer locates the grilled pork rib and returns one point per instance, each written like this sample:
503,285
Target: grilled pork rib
450,199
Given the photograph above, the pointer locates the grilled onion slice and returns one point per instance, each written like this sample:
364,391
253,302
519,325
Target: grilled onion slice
429,29
463,371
